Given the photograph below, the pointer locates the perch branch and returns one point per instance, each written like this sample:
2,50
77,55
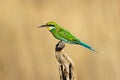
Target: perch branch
66,65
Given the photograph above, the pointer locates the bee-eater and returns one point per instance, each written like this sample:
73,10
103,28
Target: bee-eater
63,35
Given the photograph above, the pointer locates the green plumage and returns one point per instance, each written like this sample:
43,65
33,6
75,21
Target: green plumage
63,35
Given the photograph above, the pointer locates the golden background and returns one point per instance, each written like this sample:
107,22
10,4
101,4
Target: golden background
27,52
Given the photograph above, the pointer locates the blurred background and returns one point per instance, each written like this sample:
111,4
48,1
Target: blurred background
27,52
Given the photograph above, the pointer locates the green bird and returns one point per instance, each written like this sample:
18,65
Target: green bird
63,35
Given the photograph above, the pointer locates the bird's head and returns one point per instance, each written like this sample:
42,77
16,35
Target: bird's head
50,25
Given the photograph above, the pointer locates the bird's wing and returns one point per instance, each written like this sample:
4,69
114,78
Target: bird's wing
68,36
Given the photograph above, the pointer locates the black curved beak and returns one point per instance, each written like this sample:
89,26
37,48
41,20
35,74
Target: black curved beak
42,26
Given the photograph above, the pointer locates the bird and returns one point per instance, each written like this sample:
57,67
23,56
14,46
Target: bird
64,35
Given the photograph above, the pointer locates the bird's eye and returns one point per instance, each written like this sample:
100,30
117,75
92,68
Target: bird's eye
51,25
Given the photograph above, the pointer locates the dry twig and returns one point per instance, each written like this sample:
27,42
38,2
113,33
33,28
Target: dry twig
66,65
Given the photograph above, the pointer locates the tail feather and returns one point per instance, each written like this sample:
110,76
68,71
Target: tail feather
87,46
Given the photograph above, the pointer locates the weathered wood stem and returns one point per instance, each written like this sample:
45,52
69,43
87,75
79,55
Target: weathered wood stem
66,65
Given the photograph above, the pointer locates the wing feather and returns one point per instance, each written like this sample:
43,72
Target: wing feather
64,34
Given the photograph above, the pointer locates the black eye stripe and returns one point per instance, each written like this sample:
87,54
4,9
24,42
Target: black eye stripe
51,25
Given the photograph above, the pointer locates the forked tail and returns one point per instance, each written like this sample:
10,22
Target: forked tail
87,46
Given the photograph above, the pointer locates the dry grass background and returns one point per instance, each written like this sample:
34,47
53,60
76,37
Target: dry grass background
27,53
